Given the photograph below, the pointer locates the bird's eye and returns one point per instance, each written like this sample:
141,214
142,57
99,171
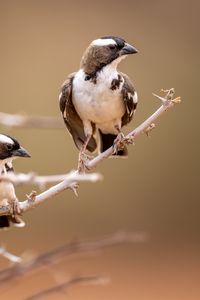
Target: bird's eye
112,47
9,147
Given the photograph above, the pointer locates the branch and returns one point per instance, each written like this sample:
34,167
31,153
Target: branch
32,178
61,287
19,121
70,181
72,248
168,101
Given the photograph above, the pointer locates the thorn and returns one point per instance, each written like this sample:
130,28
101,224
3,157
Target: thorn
163,100
149,128
31,197
74,188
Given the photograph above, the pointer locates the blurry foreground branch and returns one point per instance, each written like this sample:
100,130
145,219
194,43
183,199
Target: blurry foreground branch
168,101
75,247
97,280
15,121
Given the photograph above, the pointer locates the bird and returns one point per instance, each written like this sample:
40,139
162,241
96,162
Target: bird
98,100
10,149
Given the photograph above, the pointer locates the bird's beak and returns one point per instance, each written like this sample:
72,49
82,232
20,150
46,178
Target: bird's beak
21,152
128,49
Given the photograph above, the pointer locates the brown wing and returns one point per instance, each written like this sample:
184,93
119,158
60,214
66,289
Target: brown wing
129,98
72,120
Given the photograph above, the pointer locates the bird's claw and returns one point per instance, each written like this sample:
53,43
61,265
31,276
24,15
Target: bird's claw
15,208
119,142
16,212
122,140
129,140
82,163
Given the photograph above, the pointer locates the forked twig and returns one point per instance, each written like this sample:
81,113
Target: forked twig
168,101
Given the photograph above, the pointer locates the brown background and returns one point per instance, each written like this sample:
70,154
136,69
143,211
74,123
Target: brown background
156,190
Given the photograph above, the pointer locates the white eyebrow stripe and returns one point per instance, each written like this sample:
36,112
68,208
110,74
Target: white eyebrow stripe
5,139
103,42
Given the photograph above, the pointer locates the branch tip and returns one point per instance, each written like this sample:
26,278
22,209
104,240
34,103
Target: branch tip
177,100
162,99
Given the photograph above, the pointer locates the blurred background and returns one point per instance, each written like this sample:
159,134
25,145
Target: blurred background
156,190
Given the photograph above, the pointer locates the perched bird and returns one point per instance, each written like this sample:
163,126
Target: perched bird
9,150
98,100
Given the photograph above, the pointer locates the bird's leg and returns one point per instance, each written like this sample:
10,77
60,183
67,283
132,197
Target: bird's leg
121,140
82,160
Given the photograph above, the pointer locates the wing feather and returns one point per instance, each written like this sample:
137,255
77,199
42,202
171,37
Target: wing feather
130,99
72,120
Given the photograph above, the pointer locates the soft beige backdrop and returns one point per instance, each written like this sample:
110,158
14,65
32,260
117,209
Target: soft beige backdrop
156,190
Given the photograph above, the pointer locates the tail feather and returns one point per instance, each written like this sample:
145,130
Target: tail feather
107,141
15,220
4,222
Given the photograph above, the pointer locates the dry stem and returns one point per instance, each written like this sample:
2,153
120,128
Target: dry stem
168,101
52,257
10,120
69,283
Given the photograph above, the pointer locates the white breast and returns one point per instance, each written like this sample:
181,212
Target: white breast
97,103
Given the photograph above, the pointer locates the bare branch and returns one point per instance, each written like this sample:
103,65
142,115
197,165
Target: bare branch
69,182
168,101
97,280
10,120
72,248
32,178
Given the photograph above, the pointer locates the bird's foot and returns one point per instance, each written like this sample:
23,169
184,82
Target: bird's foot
122,140
15,208
83,162
119,142
15,212
129,140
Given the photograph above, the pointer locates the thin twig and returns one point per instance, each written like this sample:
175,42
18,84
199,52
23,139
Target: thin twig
69,182
16,121
97,280
72,248
168,101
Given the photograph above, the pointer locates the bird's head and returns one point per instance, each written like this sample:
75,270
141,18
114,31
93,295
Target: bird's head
104,51
10,148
